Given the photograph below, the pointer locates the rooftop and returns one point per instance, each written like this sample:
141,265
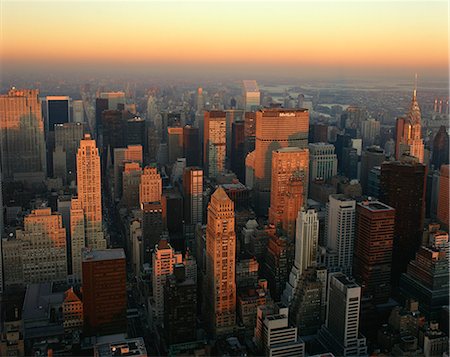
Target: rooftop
103,254
126,347
250,85
375,206
38,298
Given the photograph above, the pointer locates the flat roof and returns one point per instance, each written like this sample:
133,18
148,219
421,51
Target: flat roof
375,206
103,254
125,347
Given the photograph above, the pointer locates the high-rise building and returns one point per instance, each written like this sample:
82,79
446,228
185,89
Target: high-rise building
77,237
150,188
68,137
152,227
2,227
373,182
238,150
371,157
193,195
136,132
275,128
175,143
440,153
352,118
322,161
373,249
132,153
78,111
131,179
191,146
115,99
318,133
273,334
113,132
104,291
370,132
443,196
409,131
288,164
163,260
249,131
427,276
251,94
350,162
22,136
306,246
340,334
90,192
42,250
214,142
180,307
340,231
402,186
220,284
58,111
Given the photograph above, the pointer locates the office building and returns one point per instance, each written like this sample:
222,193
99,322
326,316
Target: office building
152,227
191,146
180,307
373,249
402,186
77,111
350,162
288,164
322,161
135,134
72,309
172,209
121,347
340,232
249,131
306,246
371,157
318,133
114,99
77,237
163,260
90,192
58,111
132,153
373,182
22,137
220,285
370,132
131,179
275,129
104,291
150,187
409,131
340,334
237,157
352,118
113,132
67,139
440,153
273,334
251,95
443,196
214,143
193,195
175,143
427,276
38,253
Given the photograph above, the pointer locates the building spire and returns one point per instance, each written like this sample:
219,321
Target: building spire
415,88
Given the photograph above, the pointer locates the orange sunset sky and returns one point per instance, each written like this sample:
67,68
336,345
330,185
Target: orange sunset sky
397,34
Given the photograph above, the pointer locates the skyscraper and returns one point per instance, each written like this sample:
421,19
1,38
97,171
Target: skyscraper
214,142
193,195
306,245
409,131
90,192
402,186
238,150
191,146
58,111
322,161
163,260
275,128
288,164
150,188
373,249
175,143
440,155
22,136
220,285
251,94
443,196
77,237
340,334
371,157
340,230
104,291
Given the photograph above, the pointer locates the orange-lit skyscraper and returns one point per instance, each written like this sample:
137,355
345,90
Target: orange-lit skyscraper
409,131
289,166
104,291
275,129
373,249
443,201
90,192
193,195
150,188
220,285
22,136
214,142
